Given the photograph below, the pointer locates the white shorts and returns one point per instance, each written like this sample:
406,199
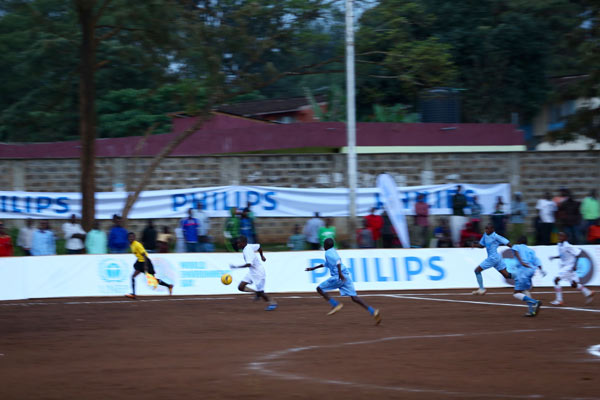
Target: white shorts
567,274
256,280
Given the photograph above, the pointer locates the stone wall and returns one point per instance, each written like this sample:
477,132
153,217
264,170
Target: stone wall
532,173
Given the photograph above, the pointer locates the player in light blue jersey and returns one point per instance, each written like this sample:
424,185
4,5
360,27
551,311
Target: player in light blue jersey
340,279
491,241
526,267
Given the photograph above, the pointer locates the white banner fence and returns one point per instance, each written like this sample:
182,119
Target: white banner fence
265,201
199,273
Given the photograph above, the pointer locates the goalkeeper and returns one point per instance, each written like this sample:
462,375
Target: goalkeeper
143,265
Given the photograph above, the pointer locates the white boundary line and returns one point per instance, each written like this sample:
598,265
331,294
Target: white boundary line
265,366
491,303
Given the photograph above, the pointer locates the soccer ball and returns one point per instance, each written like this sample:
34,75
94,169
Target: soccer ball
226,279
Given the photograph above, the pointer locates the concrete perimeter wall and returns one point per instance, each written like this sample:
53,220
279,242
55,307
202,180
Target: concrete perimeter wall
532,173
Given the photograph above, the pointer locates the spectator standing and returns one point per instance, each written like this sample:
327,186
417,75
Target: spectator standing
164,240
518,214
232,229
117,237
189,226
311,231
327,231
442,234
179,240
203,218
476,210
25,237
422,219
458,219
546,209
364,236
570,217
44,242
375,224
6,245
95,240
593,233
149,237
590,211
297,241
387,231
469,236
247,227
74,236
498,218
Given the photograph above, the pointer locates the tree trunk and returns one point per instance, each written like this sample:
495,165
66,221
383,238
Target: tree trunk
87,118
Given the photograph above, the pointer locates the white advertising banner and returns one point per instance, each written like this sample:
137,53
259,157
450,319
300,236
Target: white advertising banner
265,201
394,209
199,273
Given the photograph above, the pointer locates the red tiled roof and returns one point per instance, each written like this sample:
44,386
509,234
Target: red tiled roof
221,135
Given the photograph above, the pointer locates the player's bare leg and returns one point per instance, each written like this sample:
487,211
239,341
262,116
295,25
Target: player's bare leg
132,294
505,273
587,293
335,306
243,287
373,311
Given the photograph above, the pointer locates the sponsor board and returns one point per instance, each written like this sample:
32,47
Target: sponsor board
200,273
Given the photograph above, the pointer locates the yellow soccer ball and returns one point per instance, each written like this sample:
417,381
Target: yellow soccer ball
226,279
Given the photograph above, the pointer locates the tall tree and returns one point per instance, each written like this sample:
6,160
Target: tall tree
398,55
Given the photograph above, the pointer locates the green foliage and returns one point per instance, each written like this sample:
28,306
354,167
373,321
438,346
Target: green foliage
586,121
395,113
398,54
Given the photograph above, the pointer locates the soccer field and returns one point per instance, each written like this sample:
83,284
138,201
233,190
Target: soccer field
430,345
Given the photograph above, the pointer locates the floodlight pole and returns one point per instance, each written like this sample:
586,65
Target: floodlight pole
351,118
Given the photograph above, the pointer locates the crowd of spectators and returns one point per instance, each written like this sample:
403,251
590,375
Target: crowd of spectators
579,220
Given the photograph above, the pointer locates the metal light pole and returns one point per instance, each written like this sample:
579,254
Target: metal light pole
351,117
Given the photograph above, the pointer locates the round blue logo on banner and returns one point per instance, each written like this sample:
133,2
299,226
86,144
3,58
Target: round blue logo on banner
112,270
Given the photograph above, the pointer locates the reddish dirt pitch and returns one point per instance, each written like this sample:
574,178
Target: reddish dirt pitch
229,348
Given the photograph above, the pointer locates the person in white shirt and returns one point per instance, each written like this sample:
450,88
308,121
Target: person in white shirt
311,231
256,275
546,209
568,255
74,236
203,227
26,237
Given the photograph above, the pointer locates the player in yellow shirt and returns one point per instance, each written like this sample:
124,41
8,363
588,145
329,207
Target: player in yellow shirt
142,265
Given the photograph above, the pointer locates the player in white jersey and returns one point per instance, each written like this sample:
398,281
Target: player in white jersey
491,241
256,275
568,255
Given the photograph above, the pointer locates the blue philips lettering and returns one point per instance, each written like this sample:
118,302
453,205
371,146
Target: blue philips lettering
269,198
317,273
14,205
380,277
28,204
350,268
63,203
178,200
252,197
365,266
410,272
3,201
43,203
378,202
437,268
395,269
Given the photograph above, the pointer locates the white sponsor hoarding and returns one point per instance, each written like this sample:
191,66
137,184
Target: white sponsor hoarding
265,201
199,273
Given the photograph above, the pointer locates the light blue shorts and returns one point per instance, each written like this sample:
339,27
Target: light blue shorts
495,262
523,278
346,287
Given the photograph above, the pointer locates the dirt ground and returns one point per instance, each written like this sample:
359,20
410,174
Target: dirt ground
430,345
